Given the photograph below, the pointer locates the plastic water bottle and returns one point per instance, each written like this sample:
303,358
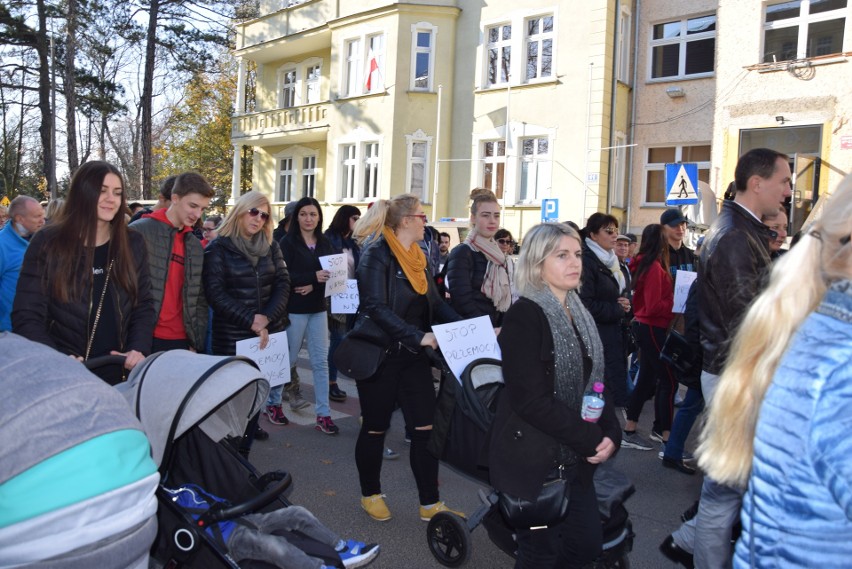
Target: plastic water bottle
593,403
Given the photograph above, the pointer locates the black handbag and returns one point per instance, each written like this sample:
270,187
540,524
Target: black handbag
362,350
677,352
550,508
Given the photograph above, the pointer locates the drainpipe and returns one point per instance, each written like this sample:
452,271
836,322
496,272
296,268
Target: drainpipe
612,113
631,134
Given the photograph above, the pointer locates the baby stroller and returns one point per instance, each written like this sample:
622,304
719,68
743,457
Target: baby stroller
77,482
194,409
464,414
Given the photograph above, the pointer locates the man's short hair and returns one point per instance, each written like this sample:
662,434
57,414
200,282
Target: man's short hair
758,162
192,183
166,187
444,234
18,206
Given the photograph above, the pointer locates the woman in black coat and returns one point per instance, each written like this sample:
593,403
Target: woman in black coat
551,354
84,287
245,281
604,292
399,304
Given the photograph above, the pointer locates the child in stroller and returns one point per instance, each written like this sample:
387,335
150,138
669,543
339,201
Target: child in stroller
250,537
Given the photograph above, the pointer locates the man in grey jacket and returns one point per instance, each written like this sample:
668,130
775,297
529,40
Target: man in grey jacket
175,256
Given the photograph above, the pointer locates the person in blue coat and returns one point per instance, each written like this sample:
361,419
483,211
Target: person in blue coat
779,420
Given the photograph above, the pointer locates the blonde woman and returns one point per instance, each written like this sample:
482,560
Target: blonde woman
780,418
245,281
399,297
478,276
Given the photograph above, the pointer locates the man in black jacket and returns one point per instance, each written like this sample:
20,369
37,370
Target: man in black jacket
733,263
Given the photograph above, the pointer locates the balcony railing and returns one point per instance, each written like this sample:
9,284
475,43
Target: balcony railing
280,121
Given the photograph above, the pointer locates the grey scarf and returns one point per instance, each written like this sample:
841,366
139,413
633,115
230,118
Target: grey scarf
253,249
569,341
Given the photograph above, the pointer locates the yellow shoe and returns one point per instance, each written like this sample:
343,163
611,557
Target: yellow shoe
426,513
375,506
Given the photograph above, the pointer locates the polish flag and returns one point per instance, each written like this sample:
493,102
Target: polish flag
373,68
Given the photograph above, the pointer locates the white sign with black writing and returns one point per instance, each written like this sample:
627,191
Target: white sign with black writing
683,282
346,302
339,269
273,360
466,341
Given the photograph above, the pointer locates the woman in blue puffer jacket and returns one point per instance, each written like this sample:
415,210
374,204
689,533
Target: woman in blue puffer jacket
779,420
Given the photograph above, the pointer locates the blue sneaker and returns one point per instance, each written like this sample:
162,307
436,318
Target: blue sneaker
358,554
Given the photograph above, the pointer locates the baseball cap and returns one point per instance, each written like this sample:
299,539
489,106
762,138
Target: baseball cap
623,238
672,217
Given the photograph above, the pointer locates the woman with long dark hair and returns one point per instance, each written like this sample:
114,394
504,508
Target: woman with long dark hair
339,233
303,245
653,300
84,287
246,282
400,301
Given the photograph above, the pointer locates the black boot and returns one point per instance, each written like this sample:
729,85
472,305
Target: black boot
335,393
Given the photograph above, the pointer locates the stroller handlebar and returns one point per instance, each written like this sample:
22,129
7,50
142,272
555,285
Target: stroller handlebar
218,513
103,361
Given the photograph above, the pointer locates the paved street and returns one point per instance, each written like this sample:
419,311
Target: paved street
326,482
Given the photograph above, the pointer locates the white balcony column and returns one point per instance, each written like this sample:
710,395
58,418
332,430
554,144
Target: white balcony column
241,88
235,182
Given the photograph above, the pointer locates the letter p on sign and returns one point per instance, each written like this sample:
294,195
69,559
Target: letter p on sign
550,210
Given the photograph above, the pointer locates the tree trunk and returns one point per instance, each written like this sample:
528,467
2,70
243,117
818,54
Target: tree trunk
45,129
147,100
71,85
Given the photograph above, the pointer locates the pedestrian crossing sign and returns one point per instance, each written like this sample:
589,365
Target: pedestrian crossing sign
682,184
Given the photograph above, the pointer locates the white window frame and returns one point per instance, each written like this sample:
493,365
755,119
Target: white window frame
620,160
356,64
432,30
623,64
359,167
539,38
309,176
803,22
682,40
496,160
660,166
283,71
499,45
418,137
312,84
283,193
297,173
542,172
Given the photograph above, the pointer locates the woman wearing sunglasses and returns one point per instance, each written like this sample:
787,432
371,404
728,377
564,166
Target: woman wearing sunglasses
605,294
399,302
478,276
246,281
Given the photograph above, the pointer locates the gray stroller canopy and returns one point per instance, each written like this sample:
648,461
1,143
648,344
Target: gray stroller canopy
218,393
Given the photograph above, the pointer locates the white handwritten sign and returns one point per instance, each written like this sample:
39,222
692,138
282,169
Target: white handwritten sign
273,360
339,269
683,281
346,302
466,341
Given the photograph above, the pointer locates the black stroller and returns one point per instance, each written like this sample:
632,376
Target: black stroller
194,409
465,412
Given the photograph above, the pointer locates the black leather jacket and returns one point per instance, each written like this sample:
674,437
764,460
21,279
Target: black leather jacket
734,262
385,294
236,291
465,273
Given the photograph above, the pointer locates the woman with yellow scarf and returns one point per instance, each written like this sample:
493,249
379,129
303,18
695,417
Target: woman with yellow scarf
399,301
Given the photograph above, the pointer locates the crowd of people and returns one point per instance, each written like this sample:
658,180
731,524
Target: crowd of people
575,308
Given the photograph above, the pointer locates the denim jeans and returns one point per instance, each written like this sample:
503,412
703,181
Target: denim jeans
689,410
314,327
336,332
252,538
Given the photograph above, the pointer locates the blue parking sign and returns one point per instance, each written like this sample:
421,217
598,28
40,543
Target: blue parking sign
550,210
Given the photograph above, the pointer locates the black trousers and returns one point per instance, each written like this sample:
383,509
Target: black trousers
574,543
655,378
406,378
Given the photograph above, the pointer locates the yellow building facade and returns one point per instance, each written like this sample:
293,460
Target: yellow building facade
356,101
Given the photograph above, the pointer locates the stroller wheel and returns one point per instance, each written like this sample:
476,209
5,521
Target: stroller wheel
449,539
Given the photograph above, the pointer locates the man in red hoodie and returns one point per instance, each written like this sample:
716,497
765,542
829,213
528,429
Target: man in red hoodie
175,258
